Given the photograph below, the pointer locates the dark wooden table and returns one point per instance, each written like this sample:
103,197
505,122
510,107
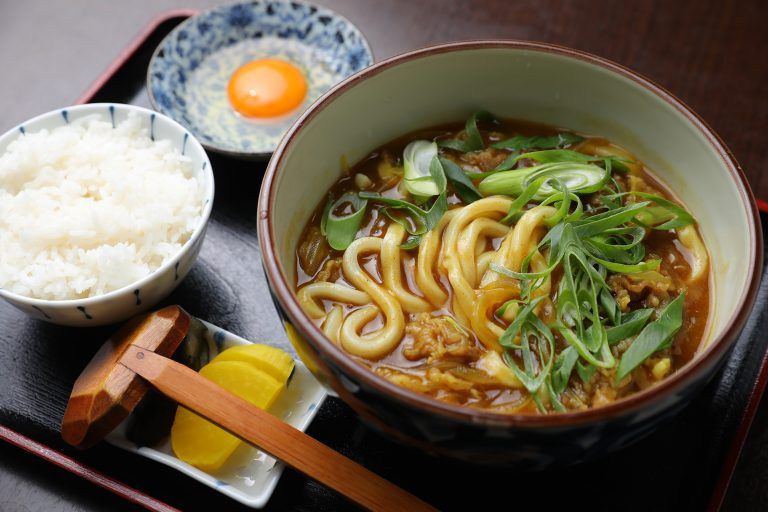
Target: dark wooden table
713,55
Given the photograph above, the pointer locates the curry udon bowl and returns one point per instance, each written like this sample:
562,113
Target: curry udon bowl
534,82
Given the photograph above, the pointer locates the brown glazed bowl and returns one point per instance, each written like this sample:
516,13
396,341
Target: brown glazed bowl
542,83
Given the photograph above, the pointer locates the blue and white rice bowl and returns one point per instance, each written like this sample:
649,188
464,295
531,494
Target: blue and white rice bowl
141,295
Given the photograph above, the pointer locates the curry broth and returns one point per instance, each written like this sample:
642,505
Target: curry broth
313,265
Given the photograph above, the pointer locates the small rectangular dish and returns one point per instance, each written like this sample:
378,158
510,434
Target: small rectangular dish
249,476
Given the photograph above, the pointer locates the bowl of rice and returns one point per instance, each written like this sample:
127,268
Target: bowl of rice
103,210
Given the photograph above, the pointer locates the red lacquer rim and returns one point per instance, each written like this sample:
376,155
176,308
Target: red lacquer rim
82,470
130,50
286,296
740,438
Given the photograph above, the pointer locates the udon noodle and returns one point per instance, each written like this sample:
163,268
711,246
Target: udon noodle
507,266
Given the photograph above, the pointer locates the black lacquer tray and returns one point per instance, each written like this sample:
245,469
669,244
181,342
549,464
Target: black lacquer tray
685,465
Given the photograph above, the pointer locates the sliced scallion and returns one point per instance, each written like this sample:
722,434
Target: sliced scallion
473,140
340,230
417,221
632,323
461,183
521,142
556,155
417,177
666,215
579,179
585,372
655,336
562,369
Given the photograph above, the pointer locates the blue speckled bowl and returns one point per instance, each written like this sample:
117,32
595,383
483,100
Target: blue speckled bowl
189,71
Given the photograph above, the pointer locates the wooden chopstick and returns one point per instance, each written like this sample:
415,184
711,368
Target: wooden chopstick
280,440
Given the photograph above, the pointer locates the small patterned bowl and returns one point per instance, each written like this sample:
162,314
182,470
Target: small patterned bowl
190,69
142,295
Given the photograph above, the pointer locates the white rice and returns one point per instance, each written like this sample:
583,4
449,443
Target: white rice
86,209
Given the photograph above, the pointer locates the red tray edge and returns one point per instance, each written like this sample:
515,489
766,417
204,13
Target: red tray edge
739,439
129,50
129,493
82,470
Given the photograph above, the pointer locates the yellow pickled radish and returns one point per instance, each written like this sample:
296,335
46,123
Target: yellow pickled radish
252,384
201,443
271,360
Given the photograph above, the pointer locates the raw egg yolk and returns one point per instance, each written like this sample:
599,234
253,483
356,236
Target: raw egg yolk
266,88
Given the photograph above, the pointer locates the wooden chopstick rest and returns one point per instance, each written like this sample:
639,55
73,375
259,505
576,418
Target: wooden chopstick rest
106,392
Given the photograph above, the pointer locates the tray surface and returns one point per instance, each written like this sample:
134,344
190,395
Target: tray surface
680,464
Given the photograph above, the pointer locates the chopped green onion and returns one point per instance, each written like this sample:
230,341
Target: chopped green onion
556,155
525,197
417,176
568,155
579,179
611,308
607,360
523,276
507,339
632,323
412,242
664,216
667,215
554,399
422,221
598,224
585,372
564,197
473,140
621,268
506,165
537,365
622,245
474,176
503,308
418,221
461,183
562,369
655,336
520,142
340,231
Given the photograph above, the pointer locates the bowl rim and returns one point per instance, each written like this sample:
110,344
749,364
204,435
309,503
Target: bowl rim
328,350
199,231
245,155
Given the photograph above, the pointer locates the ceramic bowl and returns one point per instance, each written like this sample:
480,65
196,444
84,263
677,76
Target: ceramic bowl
542,83
189,72
142,295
